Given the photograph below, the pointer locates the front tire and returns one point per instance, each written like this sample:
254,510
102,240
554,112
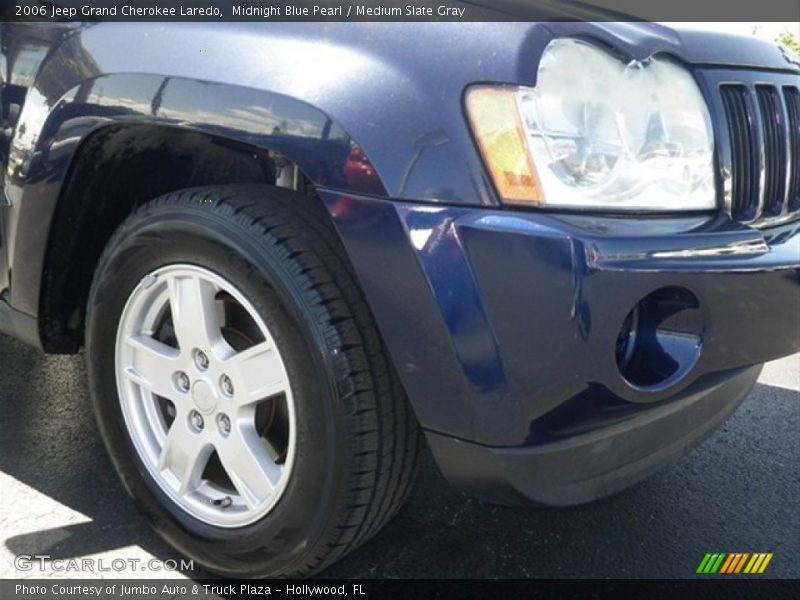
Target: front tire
240,384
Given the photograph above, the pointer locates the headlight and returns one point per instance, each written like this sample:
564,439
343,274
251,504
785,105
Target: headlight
597,132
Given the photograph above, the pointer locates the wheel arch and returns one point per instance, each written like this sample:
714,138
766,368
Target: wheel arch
95,158
118,168
282,94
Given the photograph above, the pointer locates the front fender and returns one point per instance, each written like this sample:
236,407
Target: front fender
312,98
90,80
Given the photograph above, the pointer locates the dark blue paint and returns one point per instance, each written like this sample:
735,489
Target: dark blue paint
449,275
501,323
531,304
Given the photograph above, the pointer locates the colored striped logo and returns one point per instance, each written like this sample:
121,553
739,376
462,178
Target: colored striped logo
734,562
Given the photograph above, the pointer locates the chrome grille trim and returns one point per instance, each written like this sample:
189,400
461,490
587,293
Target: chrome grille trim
759,145
792,100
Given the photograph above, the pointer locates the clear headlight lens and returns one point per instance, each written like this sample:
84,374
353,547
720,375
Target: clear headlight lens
596,132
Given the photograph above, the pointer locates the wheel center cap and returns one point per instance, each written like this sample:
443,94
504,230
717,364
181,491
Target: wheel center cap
204,396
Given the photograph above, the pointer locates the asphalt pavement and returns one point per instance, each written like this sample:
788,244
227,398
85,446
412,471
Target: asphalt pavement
737,492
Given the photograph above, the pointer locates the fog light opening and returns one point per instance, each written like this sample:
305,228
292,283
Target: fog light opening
660,339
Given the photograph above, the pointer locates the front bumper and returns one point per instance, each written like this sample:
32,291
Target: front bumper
592,465
505,330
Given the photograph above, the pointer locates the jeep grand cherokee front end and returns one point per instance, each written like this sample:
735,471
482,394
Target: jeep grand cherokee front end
561,251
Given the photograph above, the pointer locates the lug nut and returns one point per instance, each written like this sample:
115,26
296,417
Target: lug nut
196,420
182,381
226,384
224,424
201,360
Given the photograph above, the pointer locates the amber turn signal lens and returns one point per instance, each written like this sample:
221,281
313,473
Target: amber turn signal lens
496,124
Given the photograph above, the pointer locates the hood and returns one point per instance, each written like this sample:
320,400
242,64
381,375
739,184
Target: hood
641,39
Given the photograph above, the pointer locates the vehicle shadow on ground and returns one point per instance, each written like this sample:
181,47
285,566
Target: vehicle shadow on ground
49,442
737,492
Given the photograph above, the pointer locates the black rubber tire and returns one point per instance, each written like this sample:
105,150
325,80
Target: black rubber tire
357,439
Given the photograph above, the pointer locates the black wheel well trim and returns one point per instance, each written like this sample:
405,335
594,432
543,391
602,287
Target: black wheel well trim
105,184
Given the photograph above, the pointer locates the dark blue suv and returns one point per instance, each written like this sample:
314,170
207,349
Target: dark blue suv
557,252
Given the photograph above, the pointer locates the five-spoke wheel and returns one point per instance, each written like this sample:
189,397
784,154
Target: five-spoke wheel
205,395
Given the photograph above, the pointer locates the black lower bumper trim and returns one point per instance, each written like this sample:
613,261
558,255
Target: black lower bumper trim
589,466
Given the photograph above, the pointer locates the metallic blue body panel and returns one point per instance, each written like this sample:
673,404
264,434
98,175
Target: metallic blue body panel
503,324
276,87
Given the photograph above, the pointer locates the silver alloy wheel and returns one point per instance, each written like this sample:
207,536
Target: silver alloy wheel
205,395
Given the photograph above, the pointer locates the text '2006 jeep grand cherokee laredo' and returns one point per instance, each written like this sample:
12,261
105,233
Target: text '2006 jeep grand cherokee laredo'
560,251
